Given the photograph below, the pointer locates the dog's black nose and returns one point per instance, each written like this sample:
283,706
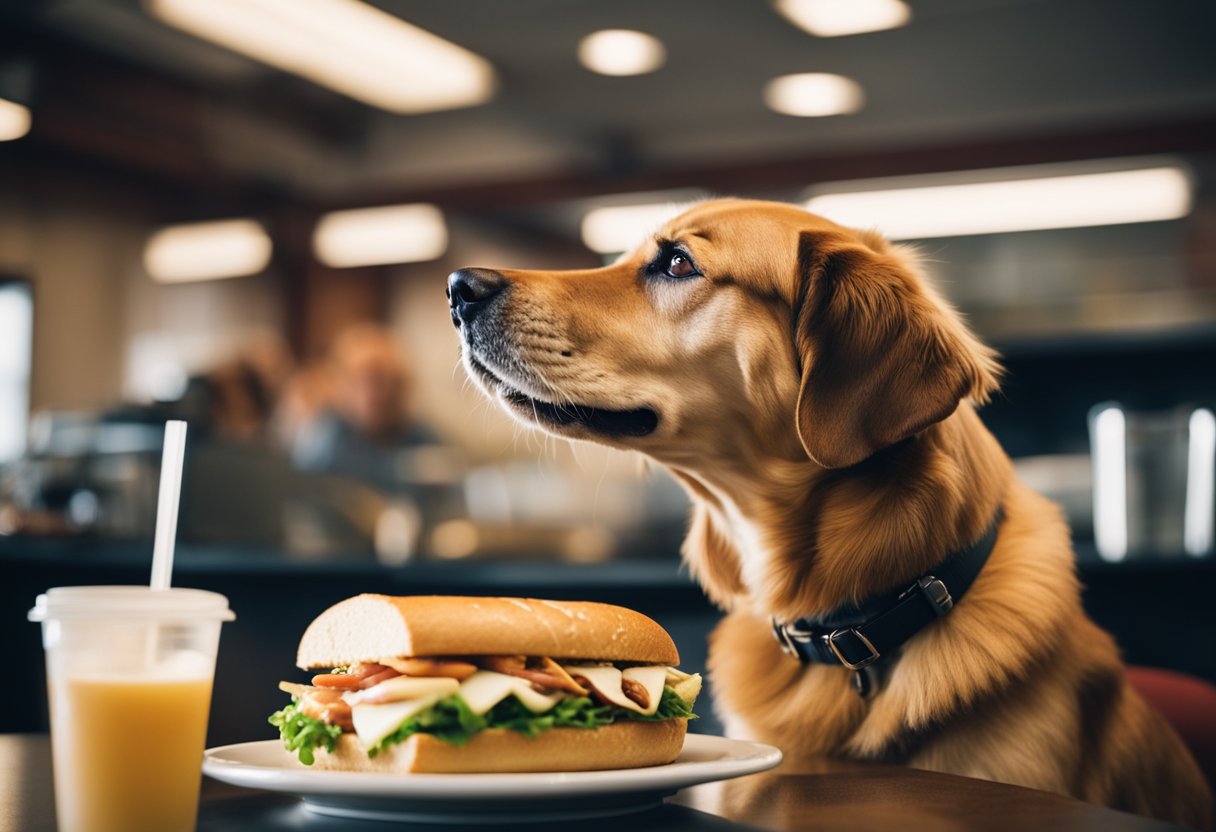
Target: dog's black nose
471,290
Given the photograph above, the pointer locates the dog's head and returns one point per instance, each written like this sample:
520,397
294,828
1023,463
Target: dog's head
740,328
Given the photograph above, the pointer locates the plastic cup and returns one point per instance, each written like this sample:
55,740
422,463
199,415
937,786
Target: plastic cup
129,674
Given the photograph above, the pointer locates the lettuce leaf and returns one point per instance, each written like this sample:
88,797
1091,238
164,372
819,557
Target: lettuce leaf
302,733
671,706
451,721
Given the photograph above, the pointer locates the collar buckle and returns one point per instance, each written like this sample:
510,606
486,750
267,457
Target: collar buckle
838,641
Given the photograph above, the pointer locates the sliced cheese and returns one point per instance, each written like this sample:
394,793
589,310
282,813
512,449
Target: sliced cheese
486,688
674,675
401,688
652,679
375,722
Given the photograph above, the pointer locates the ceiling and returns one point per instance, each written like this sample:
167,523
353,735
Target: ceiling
107,82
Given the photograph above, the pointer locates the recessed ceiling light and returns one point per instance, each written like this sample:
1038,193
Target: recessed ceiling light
373,236
348,46
207,251
811,94
832,18
14,120
925,207
621,52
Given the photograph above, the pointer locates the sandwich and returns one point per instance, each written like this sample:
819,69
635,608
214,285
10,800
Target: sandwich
460,684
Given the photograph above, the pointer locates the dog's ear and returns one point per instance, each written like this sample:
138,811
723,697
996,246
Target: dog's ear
882,357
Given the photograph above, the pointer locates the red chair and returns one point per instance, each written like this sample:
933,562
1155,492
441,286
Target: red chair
1189,704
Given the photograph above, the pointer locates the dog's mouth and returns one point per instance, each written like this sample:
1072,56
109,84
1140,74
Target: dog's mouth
638,422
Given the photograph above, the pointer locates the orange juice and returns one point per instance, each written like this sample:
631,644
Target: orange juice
129,672
128,751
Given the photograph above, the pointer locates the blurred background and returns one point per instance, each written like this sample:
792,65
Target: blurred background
242,213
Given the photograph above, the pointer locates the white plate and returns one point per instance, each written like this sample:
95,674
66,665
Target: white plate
467,798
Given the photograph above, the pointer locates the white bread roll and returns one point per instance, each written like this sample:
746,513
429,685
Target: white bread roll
371,627
625,744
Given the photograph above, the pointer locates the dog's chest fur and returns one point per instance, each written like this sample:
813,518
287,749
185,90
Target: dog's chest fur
749,544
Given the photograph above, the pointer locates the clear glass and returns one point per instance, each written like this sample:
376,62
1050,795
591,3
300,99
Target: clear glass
129,675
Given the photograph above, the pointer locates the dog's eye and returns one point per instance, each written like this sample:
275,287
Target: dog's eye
672,263
679,266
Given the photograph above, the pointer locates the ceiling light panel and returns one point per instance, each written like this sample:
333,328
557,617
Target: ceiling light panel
926,207
616,228
374,236
207,251
348,46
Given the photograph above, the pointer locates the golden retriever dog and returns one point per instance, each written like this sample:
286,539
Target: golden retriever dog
817,400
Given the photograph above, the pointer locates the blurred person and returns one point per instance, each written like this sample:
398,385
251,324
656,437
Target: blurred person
306,395
269,358
237,398
235,402
367,420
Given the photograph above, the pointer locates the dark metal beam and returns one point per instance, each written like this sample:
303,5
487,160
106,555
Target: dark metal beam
99,112
1196,134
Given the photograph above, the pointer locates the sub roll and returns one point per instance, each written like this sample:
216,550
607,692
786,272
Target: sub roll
448,684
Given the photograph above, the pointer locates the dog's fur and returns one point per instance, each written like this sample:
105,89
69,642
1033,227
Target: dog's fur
816,399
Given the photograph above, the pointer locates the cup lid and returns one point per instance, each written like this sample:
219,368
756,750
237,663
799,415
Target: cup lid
130,602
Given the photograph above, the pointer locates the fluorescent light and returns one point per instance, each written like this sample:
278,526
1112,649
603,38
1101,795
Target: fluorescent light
831,18
14,120
372,236
621,52
1200,483
1108,439
207,251
1008,204
345,45
811,94
617,228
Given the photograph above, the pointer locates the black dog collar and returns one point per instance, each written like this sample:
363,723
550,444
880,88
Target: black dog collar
858,635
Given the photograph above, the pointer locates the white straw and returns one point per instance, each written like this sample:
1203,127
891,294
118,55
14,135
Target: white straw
166,507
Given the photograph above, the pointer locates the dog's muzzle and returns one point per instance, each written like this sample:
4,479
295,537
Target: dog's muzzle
471,291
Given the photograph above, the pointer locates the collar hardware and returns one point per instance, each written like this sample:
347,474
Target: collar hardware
789,636
934,591
859,635
845,643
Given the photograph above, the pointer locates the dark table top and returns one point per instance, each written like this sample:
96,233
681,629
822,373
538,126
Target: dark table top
830,795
